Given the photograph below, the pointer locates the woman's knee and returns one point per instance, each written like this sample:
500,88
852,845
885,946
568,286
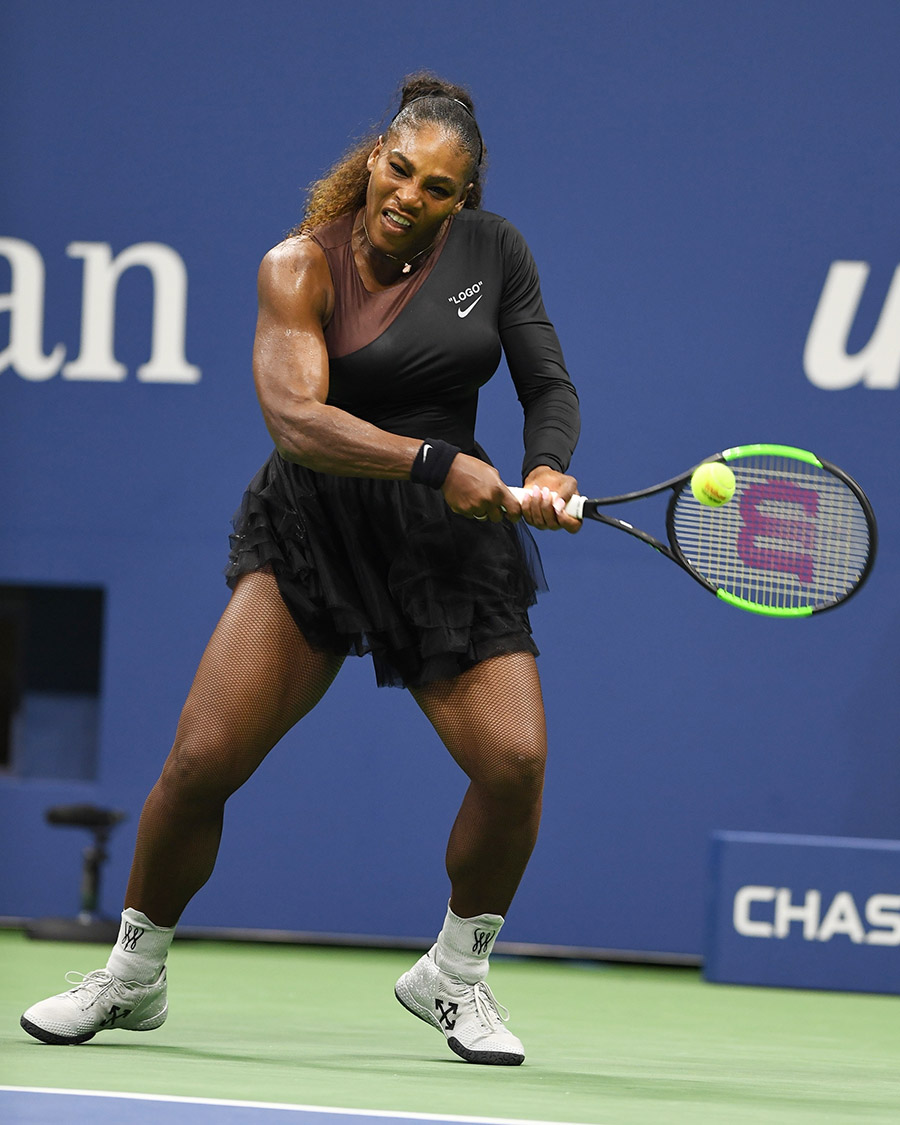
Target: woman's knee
513,770
206,763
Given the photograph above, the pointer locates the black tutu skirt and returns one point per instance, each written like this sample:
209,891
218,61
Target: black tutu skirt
384,567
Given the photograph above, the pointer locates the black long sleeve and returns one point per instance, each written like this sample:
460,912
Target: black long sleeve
535,360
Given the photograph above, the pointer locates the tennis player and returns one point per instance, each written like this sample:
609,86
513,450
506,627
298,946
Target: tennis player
377,525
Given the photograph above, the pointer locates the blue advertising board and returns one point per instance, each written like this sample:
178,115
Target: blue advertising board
804,912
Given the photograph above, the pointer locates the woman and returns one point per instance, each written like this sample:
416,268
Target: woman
379,318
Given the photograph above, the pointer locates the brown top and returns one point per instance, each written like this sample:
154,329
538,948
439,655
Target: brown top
360,316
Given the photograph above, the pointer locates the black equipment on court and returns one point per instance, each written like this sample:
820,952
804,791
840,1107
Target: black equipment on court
88,925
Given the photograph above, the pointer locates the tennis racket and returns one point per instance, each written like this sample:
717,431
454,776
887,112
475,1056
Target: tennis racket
798,536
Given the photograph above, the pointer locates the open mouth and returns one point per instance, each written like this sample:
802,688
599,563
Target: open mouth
396,222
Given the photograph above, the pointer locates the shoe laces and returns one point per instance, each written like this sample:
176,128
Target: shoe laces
487,1007
89,986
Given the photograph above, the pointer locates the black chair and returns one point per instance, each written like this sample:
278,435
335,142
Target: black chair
88,925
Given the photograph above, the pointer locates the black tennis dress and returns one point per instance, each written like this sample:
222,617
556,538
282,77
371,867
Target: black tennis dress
384,566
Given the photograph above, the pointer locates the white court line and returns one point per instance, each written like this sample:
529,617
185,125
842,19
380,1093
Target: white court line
389,1113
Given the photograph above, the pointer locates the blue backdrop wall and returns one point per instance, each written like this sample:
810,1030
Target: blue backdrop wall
696,181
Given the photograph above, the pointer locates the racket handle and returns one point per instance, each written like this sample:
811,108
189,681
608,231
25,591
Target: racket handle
575,506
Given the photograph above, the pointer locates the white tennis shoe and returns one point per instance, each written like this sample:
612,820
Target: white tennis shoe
98,1002
472,1021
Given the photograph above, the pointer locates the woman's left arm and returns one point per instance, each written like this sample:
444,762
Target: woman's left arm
552,423
548,398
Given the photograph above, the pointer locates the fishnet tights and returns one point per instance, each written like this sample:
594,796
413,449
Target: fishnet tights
491,719
257,678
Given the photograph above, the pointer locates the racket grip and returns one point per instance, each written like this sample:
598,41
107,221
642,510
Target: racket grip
575,506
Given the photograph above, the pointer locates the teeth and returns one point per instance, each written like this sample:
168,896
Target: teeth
398,219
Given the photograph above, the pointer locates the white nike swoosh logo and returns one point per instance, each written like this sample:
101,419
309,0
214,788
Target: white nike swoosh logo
466,311
425,451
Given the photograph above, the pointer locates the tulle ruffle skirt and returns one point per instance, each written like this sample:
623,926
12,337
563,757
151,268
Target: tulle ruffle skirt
384,567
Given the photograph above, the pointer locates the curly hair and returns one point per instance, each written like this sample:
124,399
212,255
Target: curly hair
424,98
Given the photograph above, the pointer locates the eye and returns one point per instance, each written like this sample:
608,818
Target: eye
398,168
440,192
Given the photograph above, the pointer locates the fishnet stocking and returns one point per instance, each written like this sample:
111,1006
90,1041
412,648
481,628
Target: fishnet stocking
257,678
491,719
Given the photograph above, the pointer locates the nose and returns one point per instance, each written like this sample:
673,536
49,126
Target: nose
408,196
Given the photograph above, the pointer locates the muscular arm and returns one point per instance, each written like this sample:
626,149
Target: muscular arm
290,369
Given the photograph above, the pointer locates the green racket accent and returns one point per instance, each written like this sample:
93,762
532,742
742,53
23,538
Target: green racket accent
794,539
797,537
765,610
771,451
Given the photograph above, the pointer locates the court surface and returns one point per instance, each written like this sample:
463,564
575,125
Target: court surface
291,1034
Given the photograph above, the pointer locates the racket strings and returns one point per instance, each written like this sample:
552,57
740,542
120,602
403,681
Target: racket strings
793,535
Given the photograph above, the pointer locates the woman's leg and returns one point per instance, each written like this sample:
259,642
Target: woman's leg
257,678
491,719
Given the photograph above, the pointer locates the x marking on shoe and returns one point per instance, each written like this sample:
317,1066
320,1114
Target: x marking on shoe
116,1013
444,1013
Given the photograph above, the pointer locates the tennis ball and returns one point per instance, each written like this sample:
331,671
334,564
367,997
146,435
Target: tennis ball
713,484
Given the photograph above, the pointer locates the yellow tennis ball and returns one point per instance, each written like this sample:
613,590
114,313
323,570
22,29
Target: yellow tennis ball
713,484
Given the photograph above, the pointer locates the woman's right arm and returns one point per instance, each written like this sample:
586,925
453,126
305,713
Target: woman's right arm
290,369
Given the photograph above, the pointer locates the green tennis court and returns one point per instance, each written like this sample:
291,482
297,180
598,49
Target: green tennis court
607,1044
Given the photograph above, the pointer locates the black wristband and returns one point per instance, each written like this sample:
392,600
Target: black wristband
432,462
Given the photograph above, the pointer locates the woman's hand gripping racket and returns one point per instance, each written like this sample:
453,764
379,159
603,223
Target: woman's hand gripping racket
797,536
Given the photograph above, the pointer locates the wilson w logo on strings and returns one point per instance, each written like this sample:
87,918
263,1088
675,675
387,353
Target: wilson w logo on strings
775,535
